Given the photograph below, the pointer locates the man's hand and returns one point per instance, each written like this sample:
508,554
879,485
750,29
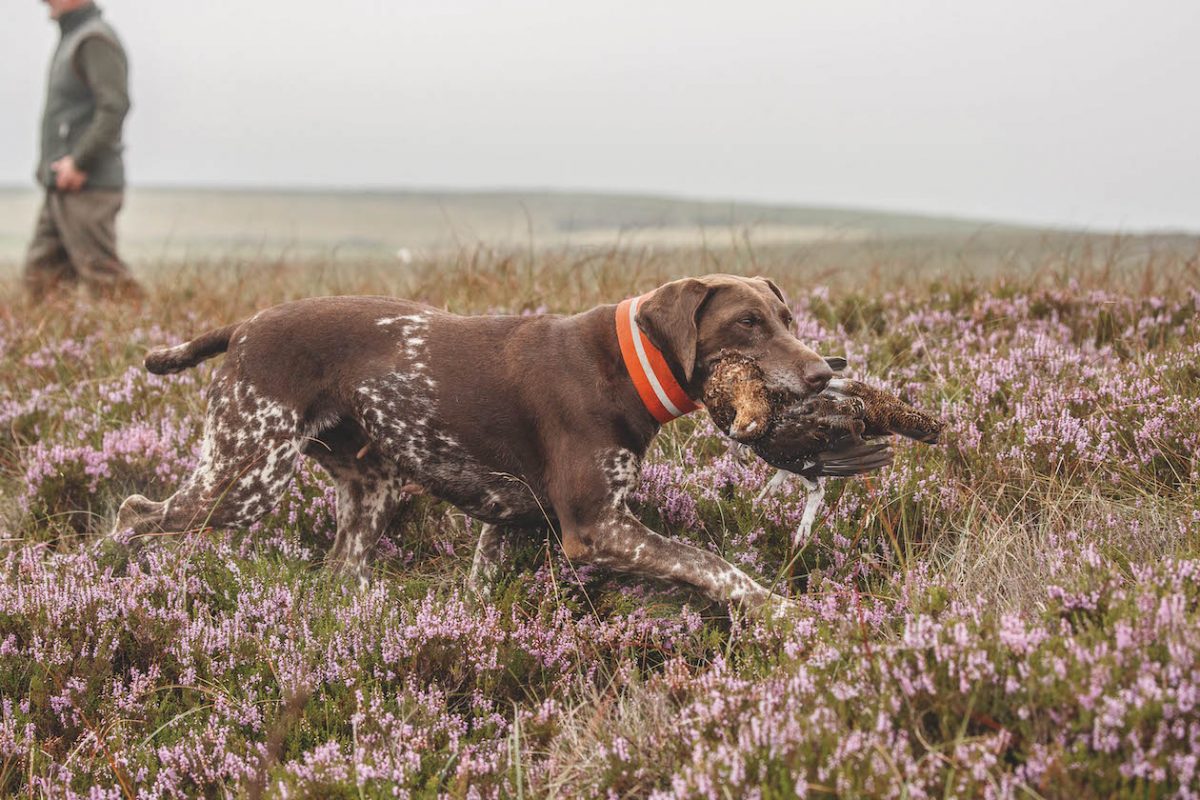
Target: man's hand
68,177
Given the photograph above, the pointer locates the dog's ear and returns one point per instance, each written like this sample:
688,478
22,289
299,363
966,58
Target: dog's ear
774,288
669,319
836,363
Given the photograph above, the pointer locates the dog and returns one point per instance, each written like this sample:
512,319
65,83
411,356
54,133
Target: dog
520,422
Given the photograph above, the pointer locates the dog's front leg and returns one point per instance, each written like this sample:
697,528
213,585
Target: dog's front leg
619,541
489,555
598,528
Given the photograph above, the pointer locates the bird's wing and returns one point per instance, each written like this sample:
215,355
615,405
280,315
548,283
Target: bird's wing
854,458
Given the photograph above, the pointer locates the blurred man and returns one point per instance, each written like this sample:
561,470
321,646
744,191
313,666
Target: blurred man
81,168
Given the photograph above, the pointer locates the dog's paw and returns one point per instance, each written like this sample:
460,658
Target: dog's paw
782,608
770,607
134,513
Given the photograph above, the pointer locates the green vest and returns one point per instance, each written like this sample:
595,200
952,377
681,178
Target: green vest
70,107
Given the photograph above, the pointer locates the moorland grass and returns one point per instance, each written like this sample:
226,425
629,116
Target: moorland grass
1013,613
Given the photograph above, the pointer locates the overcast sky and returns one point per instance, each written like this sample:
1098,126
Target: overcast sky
1078,112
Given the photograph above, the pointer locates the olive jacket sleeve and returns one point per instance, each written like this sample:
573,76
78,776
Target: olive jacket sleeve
102,67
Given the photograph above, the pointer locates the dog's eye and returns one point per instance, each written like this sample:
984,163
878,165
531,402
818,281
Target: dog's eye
748,322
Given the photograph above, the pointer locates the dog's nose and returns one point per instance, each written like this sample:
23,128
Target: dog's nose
817,376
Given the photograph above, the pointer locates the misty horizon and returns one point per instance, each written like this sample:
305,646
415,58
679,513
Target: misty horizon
584,192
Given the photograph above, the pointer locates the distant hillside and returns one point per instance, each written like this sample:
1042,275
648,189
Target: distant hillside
174,224
578,211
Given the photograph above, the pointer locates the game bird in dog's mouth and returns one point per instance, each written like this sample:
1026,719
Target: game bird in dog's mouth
839,432
520,422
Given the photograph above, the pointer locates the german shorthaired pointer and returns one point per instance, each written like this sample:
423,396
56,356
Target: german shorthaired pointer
520,422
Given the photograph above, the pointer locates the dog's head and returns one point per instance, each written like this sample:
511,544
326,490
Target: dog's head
694,321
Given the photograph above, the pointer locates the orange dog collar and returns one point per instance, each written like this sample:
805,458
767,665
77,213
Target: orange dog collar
662,395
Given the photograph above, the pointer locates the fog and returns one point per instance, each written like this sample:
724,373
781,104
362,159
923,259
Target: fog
1067,113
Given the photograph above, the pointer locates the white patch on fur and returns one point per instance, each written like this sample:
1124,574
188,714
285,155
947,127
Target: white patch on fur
494,502
622,469
414,318
400,407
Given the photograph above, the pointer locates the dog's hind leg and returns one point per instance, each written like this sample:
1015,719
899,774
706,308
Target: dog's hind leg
249,452
367,507
370,495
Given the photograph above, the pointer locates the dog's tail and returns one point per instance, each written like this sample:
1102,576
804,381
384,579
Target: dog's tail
166,360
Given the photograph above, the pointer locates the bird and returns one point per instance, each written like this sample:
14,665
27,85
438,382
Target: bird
842,431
